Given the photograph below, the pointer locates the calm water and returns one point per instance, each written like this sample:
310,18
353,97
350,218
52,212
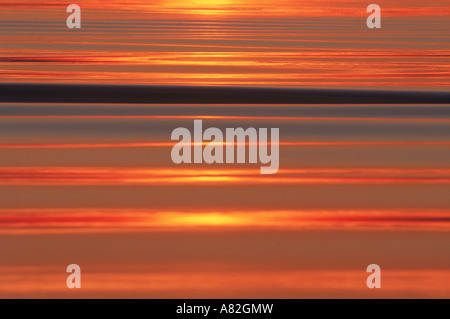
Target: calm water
229,42
95,185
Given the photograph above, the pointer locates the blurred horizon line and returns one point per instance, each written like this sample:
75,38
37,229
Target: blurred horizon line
168,94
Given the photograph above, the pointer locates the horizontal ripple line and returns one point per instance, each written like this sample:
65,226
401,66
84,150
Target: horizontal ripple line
223,117
98,220
171,144
182,176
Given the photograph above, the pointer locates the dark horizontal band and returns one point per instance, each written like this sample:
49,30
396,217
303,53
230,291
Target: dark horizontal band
133,94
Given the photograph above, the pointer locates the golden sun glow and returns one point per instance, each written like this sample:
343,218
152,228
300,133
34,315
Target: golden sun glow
205,3
202,7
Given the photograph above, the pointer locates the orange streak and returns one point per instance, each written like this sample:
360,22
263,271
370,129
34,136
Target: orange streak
208,282
178,176
171,144
171,171
122,220
222,180
223,117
